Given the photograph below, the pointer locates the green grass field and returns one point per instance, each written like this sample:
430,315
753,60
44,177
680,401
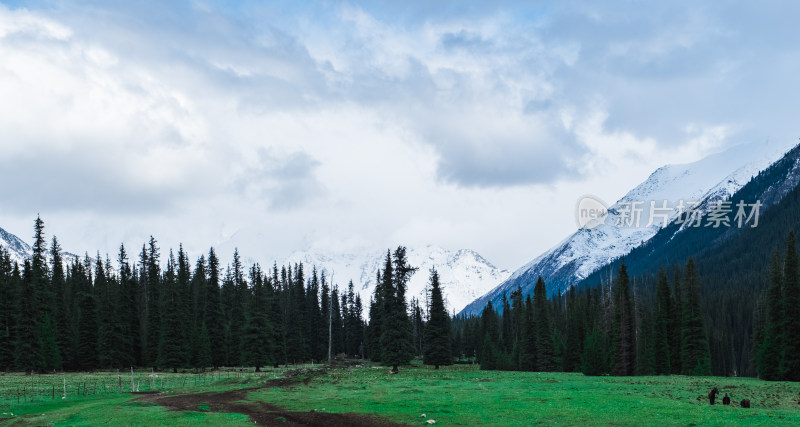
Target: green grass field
458,395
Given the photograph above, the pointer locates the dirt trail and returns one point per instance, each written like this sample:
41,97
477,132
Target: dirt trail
262,413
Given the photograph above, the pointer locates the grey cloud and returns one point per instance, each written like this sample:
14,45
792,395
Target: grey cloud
82,181
284,181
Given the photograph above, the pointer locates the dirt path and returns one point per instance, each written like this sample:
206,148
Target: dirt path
262,413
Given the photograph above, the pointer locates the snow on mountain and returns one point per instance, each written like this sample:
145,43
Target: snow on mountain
20,251
464,274
704,182
16,247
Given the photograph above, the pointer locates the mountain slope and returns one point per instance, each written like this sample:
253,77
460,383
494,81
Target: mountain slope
464,274
731,262
706,181
16,247
20,251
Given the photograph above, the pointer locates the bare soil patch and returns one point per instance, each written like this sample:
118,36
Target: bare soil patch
263,413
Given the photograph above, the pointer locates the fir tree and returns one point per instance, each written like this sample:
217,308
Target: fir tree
62,301
213,314
7,297
171,353
153,299
543,328
624,355
396,334
663,308
573,351
527,358
490,325
257,331
770,348
790,355
86,351
695,357
437,348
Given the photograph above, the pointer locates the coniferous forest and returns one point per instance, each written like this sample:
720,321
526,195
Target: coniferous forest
168,312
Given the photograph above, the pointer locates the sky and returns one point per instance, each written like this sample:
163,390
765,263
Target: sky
341,126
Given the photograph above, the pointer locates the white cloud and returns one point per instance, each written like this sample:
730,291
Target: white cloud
276,128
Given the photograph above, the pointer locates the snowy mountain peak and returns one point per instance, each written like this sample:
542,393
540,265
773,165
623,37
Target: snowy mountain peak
16,247
464,274
704,182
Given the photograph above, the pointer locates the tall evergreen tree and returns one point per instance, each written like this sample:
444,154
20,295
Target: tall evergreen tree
257,331
7,319
438,334
396,333
152,289
661,328
213,316
27,354
86,351
490,325
376,314
790,355
575,313
624,355
544,328
527,358
171,352
695,357
63,299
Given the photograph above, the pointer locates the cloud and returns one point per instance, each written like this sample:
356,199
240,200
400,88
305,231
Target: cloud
219,114
285,181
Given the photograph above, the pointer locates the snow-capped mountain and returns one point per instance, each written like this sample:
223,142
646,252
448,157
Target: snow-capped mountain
20,251
16,247
464,274
700,185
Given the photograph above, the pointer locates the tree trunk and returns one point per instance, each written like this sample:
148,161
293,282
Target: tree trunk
174,370
394,369
437,367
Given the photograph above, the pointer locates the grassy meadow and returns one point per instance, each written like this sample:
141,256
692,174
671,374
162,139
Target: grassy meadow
457,395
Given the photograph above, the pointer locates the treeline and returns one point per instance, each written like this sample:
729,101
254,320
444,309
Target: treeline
603,330
168,313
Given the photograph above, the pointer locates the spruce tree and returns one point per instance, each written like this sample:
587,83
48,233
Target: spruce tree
86,351
152,288
214,318
7,289
396,334
695,356
376,314
527,358
790,360
573,351
675,322
438,334
624,355
106,306
257,331
62,299
544,328
27,355
490,326
661,328
126,334
274,313
171,352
